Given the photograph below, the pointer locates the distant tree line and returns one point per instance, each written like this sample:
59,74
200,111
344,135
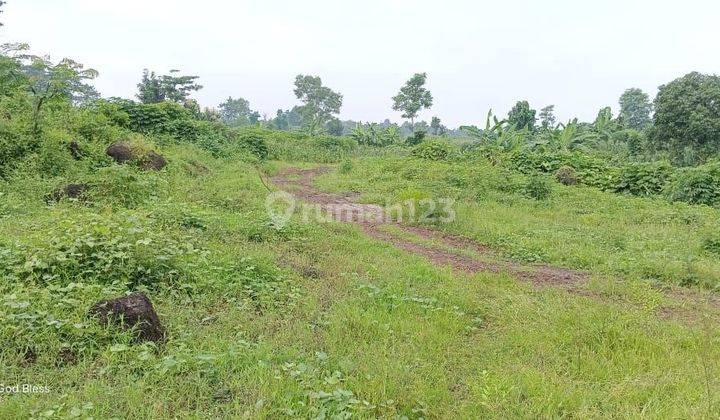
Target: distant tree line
681,124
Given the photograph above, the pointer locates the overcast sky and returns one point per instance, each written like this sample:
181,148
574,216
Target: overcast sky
577,55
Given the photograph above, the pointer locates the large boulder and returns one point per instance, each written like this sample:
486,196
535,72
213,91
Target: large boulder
134,311
152,161
121,152
125,152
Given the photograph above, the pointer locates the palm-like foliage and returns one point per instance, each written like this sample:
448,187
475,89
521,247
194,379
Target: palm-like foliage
374,134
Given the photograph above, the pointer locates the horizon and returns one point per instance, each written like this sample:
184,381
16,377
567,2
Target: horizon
368,63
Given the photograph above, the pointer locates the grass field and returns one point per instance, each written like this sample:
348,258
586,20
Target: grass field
322,320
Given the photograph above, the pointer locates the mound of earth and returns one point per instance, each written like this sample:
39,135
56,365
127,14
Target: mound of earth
134,311
72,191
125,152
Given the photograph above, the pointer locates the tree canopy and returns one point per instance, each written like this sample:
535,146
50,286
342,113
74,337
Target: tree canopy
687,115
413,97
547,117
172,87
320,103
522,116
237,112
635,109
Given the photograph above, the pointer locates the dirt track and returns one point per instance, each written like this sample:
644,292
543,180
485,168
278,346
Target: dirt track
453,250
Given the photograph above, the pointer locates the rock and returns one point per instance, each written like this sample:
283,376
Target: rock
134,311
75,150
124,152
152,161
120,151
73,191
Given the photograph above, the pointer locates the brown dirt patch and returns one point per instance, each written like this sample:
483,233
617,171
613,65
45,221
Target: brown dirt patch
370,217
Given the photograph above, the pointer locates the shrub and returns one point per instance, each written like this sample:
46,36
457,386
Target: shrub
635,140
538,187
416,138
591,171
99,251
300,147
14,145
125,185
432,150
699,185
644,178
566,175
346,167
253,142
711,244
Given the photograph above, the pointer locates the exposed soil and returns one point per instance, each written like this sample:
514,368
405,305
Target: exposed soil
460,253
372,220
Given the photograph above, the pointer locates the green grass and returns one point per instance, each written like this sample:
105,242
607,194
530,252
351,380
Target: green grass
578,227
320,320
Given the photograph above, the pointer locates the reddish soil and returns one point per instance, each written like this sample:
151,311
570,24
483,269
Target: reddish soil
370,217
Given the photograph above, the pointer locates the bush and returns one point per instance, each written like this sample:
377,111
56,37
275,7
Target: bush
253,142
14,145
566,175
711,244
125,185
538,187
346,167
416,138
644,179
295,146
432,150
699,185
99,251
591,171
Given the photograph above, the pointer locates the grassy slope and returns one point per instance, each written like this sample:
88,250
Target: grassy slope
578,227
354,326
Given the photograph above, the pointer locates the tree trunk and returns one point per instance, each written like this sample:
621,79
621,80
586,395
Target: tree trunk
36,118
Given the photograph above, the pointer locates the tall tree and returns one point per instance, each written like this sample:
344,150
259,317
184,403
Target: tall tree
547,117
635,109
170,87
522,116
320,103
238,112
2,3
412,98
687,115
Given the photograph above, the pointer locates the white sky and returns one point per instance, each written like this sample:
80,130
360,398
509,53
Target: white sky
578,55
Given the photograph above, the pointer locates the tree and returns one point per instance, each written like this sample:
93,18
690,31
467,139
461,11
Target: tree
687,115
334,127
522,116
635,109
44,81
287,120
2,3
172,87
412,98
320,103
436,127
547,117
237,112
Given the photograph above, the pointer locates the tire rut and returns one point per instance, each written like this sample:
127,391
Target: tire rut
345,208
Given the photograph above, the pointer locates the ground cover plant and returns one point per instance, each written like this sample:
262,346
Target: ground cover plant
549,270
